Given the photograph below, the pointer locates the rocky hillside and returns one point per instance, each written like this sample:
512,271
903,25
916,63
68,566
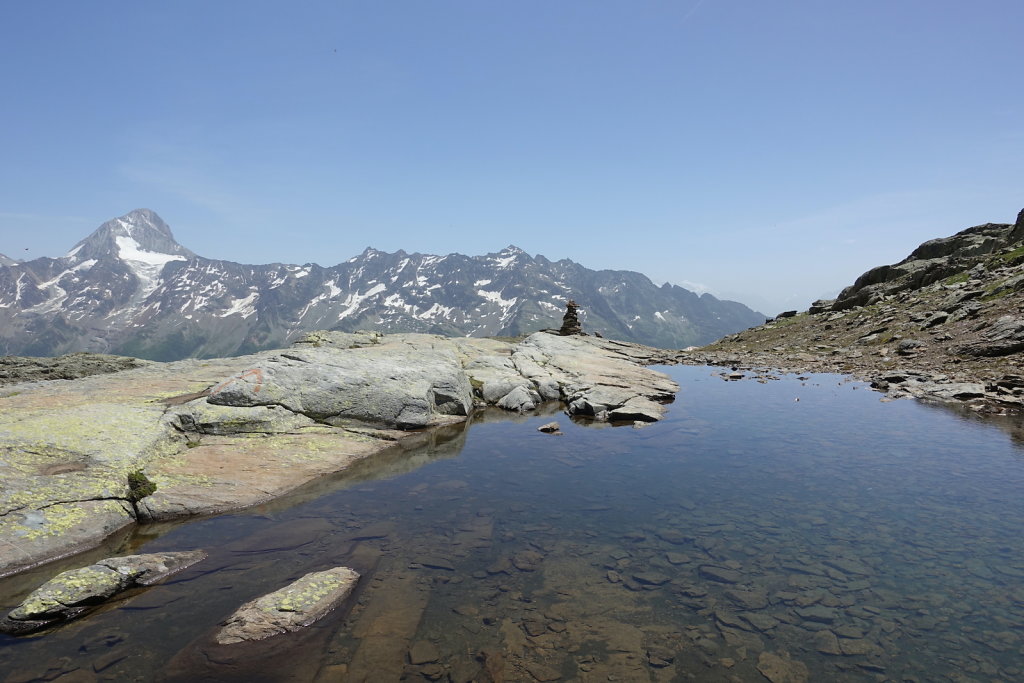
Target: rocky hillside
947,322
131,289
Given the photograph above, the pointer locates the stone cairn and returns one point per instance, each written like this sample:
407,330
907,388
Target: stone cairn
570,322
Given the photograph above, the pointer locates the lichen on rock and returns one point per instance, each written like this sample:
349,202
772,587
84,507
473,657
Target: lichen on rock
71,593
290,608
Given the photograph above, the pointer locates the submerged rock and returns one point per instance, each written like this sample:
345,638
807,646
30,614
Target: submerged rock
73,592
291,608
781,670
720,574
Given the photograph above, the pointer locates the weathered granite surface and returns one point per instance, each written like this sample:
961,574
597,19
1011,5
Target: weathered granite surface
75,591
297,605
221,434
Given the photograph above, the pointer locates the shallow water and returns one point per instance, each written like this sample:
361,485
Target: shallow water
834,537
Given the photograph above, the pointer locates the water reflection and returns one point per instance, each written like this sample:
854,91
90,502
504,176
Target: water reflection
750,535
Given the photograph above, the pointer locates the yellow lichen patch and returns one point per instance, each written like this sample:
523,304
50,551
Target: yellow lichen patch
58,519
67,589
106,432
302,595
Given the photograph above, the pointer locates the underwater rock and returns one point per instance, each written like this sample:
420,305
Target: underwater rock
75,591
720,574
527,560
290,608
781,670
423,652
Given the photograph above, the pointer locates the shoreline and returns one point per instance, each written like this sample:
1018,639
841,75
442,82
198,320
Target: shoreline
224,434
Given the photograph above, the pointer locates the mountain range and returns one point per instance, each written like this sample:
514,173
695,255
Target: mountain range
131,289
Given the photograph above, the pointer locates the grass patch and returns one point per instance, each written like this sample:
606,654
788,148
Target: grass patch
954,279
786,322
1012,257
995,293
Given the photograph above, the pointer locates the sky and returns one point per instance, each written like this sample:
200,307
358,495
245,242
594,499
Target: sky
769,151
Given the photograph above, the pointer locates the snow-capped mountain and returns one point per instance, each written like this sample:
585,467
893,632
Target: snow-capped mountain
130,288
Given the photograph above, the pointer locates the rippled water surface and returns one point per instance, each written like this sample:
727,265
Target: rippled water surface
787,531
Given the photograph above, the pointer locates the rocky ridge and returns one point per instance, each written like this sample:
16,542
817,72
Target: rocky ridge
15,369
131,289
945,324
220,434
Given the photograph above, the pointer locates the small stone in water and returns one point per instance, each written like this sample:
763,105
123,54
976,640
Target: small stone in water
677,558
826,643
650,578
423,652
436,563
720,574
527,560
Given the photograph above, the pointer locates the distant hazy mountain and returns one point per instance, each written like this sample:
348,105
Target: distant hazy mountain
130,288
6,260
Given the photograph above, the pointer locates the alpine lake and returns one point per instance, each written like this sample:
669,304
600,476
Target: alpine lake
798,529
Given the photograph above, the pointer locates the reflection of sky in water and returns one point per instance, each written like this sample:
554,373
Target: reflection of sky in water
837,533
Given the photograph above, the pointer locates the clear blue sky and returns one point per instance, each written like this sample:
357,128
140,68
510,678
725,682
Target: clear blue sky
765,149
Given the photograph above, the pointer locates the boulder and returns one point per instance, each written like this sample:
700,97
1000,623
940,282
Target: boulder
398,387
820,306
290,608
520,399
935,319
550,428
637,409
75,591
909,347
959,391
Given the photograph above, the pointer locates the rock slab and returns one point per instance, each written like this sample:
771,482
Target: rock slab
407,388
73,592
290,608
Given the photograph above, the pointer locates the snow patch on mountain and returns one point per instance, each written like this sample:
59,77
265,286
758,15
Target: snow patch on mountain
245,306
355,299
435,311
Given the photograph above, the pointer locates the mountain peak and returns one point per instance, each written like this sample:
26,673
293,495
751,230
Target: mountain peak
7,260
139,235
